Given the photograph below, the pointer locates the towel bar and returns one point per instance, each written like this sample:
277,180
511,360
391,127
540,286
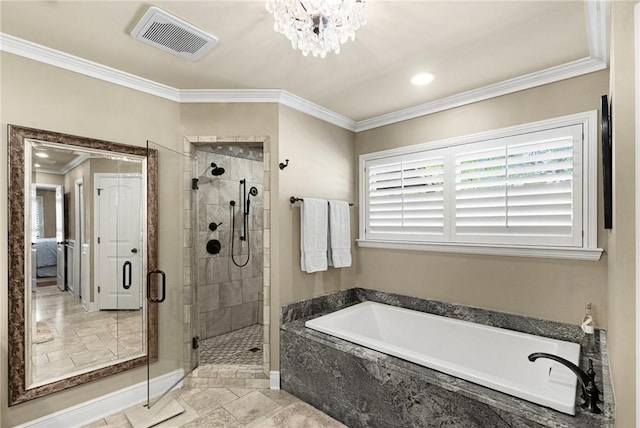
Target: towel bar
293,200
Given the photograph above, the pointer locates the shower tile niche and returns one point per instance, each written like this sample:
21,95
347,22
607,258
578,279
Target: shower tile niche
229,296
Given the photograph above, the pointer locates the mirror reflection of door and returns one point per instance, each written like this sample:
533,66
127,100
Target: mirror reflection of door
118,230
47,234
87,262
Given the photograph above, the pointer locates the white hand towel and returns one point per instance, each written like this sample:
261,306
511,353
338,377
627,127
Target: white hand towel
314,219
339,234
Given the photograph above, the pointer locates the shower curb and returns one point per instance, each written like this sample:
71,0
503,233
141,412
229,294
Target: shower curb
228,376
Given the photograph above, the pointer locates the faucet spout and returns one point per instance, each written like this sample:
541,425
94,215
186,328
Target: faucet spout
590,392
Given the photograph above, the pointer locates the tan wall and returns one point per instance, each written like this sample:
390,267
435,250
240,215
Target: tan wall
49,197
81,171
320,165
45,97
621,238
52,179
552,289
48,212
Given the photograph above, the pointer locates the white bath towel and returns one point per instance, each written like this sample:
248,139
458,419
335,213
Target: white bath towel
314,221
339,234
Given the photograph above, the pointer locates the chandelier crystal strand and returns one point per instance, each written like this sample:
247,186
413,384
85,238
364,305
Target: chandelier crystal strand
317,26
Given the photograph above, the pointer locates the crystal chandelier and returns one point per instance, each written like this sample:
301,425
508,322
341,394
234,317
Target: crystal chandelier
318,26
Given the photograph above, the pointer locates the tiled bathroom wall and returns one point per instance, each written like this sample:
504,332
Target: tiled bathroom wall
229,296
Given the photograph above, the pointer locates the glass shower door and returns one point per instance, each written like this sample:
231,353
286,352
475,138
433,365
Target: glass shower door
164,285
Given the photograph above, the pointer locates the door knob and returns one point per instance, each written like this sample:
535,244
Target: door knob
134,250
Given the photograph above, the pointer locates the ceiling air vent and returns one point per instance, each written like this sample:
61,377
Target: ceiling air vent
170,33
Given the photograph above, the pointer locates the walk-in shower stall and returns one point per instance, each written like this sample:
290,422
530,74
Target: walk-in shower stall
229,252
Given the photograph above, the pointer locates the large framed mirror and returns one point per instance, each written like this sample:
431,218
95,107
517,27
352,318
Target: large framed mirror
82,236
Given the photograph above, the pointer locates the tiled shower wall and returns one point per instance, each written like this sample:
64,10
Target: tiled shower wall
229,297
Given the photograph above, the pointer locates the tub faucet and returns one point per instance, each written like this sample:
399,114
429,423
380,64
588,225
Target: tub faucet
590,393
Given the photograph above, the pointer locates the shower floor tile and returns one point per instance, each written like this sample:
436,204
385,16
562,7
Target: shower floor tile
242,346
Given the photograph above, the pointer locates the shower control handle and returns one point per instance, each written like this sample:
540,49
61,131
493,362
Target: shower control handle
213,226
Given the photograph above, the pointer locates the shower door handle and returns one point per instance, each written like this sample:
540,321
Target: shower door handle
164,286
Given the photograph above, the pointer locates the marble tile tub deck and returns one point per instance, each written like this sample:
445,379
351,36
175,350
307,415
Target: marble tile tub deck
365,388
233,396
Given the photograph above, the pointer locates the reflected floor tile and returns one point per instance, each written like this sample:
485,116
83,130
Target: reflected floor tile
64,329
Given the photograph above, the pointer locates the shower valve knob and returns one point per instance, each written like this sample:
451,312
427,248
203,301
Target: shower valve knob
213,246
213,226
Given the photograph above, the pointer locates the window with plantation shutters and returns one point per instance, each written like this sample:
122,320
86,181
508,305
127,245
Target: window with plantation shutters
528,190
524,189
37,219
406,197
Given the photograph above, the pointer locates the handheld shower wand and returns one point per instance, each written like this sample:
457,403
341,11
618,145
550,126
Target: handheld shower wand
253,191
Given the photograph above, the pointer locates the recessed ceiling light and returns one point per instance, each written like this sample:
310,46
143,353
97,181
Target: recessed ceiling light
422,79
42,155
37,165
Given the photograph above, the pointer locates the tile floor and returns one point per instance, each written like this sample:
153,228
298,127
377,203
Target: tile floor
243,346
67,339
232,396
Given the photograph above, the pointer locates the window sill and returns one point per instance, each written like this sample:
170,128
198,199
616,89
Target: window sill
591,254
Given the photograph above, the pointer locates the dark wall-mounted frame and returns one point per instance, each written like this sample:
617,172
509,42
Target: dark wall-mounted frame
607,179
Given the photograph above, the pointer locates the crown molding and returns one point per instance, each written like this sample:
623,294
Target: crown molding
597,13
539,78
304,106
266,96
36,52
230,95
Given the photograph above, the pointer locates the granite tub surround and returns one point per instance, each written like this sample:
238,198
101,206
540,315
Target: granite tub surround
365,388
321,305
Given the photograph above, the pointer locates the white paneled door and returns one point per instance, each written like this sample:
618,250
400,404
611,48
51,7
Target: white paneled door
118,240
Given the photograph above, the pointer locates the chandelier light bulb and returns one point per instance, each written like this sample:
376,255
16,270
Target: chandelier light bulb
317,26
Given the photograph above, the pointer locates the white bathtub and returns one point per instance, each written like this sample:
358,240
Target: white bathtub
489,356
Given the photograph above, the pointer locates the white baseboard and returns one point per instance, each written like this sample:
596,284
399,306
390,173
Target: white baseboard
274,379
109,404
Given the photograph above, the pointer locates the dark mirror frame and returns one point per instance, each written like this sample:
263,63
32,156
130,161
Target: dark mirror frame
17,138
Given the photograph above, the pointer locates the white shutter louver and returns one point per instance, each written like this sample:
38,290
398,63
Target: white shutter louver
406,197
